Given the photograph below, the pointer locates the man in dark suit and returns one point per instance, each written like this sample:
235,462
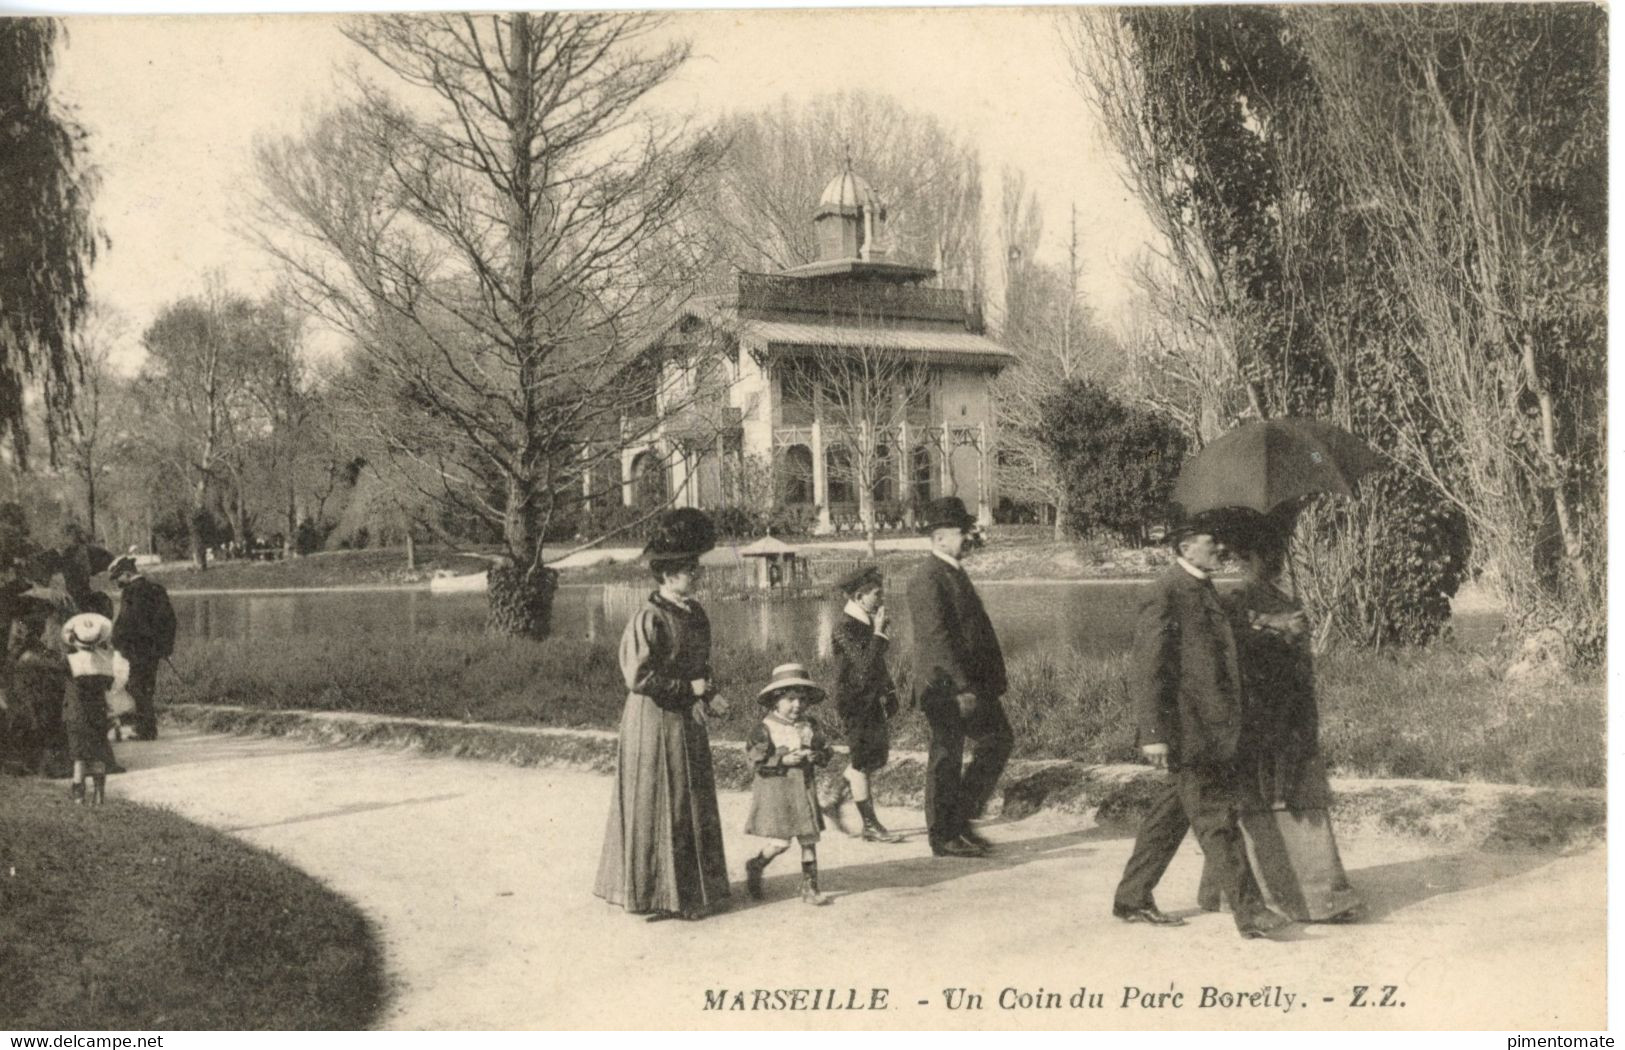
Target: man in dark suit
145,633
958,680
1186,689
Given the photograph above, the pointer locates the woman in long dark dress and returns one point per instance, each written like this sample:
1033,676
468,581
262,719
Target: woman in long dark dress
663,852
1285,798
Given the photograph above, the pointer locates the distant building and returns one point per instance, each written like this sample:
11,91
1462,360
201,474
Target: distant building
744,385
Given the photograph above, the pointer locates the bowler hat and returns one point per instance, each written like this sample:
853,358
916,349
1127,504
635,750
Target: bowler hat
789,676
681,533
1217,523
125,566
861,579
946,513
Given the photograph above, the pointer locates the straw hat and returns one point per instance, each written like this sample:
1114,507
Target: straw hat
789,676
89,629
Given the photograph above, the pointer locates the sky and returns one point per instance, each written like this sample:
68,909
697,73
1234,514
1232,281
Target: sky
175,103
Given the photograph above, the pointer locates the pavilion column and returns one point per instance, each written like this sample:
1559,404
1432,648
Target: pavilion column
626,477
820,476
984,477
905,473
681,483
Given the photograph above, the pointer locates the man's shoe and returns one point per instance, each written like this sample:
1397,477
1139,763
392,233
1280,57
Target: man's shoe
1147,913
976,840
955,848
1265,924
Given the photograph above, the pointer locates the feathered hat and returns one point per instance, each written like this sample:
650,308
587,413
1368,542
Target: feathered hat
681,533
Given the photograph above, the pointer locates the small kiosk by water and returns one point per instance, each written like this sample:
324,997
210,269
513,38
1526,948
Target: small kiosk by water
773,564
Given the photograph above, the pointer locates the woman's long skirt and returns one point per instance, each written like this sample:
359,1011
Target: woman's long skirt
663,843
1288,828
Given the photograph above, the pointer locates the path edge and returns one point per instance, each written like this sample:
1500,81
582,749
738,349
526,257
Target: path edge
1492,817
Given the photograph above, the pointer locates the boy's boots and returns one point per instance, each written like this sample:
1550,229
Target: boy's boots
809,884
832,808
753,875
873,829
98,789
76,792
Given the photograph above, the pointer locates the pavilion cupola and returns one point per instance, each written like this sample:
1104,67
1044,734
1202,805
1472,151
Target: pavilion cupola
850,219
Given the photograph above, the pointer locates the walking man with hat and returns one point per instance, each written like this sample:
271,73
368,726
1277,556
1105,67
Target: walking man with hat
145,633
1185,684
958,680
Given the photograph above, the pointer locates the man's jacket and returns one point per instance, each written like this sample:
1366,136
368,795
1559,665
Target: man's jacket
145,628
955,649
1183,676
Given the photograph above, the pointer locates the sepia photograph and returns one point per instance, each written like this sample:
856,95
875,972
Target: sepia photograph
860,520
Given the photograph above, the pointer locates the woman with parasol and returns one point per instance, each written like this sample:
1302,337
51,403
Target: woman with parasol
1257,478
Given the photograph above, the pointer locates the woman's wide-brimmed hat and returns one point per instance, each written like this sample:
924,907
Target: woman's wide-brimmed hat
789,676
679,534
89,629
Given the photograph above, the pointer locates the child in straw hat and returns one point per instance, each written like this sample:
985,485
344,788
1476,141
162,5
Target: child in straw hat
787,747
89,638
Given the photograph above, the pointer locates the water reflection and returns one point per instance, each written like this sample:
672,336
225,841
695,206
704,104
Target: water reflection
1095,618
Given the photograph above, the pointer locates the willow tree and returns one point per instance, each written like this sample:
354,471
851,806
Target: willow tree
496,219
48,238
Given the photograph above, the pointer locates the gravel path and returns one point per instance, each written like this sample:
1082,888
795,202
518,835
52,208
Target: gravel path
479,877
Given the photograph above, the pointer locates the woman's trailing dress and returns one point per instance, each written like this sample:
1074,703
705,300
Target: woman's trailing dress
663,843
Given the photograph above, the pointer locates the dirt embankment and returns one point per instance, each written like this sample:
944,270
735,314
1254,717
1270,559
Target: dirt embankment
1491,817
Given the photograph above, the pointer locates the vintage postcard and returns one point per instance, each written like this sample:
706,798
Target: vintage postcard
875,519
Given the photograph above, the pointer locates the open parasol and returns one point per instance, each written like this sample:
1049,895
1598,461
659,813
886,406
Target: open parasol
1265,464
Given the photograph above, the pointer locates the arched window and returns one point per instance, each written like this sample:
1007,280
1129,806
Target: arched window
919,474
885,488
796,475
838,472
648,481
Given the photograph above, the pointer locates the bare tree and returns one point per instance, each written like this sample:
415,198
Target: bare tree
1196,322
778,161
95,430
193,390
1046,324
1479,152
498,240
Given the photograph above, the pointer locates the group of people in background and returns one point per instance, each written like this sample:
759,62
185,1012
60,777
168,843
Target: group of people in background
60,663
1222,690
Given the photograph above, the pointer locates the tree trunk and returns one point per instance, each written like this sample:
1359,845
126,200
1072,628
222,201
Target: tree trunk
411,553
520,600
1060,517
90,501
194,523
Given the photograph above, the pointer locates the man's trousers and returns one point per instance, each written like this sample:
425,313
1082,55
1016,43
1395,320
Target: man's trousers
955,793
1201,799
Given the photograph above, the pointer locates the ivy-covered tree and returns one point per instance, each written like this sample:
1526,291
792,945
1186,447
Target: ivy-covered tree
1117,461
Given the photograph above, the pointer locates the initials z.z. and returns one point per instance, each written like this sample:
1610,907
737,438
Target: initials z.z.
1363,991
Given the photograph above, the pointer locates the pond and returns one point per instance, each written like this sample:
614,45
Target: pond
1093,617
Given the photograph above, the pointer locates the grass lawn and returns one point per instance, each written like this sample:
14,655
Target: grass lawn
1438,713
126,917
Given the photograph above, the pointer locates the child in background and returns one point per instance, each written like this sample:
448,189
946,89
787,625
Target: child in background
89,638
787,748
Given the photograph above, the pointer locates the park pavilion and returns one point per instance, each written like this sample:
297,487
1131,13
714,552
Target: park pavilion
773,385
